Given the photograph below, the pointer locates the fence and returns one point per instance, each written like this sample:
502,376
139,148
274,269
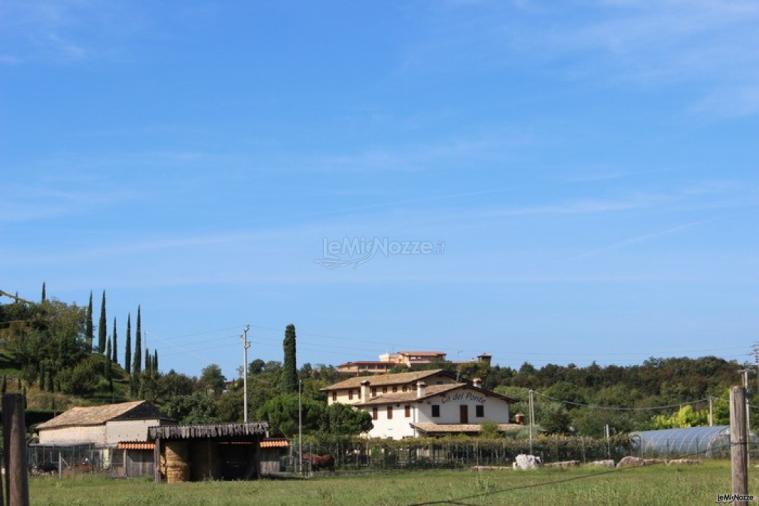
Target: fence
361,454
65,460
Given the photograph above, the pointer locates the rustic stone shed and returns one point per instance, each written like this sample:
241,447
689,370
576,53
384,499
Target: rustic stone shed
208,452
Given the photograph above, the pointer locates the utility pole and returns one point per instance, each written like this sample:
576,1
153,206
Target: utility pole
738,443
300,426
531,414
245,346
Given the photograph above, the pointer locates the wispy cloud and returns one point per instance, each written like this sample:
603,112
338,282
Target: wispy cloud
705,43
630,241
32,202
59,31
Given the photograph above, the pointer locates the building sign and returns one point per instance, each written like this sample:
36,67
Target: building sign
463,396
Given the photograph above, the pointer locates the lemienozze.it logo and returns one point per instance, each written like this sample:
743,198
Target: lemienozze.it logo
355,251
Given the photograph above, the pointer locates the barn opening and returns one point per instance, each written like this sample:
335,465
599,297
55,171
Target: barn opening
208,452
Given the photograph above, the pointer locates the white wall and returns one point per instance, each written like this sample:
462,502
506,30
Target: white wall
128,430
496,409
396,428
91,434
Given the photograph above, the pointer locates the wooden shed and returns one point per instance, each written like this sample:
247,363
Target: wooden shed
208,452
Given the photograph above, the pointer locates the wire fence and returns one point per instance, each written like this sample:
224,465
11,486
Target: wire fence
371,454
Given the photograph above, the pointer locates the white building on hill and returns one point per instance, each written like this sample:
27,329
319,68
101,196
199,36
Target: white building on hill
422,403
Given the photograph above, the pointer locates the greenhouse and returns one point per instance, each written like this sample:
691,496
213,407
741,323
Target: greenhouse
692,441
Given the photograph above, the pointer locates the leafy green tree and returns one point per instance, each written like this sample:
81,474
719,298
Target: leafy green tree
137,366
282,414
128,345
212,380
341,419
89,331
174,384
290,372
102,326
190,409
686,416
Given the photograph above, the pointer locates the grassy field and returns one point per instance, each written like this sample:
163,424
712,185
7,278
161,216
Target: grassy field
697,484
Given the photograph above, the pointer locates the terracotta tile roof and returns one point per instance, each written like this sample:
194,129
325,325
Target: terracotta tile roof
385,379
135,445
94,415
274,443
447,428
369,362
392,398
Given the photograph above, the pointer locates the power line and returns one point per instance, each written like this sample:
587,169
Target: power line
622,408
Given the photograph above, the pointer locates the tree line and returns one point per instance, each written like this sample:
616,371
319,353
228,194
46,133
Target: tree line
53,346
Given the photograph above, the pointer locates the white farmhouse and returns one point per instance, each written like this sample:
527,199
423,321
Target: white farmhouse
104,426
422,403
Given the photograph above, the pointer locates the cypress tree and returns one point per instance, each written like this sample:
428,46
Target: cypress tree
128,346
290,368
148,365
115,347
102,327
44,294
155,361
138,346
88,324
107,366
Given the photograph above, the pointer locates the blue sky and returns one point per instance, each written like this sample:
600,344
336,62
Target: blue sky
590,168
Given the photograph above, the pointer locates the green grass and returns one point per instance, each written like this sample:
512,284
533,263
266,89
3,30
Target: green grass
657,485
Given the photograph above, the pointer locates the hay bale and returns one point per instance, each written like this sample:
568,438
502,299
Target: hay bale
601,463
630,461
563,464
683,462
177,462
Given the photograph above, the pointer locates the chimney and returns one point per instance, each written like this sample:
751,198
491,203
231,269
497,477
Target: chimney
476,382
421,389
365,390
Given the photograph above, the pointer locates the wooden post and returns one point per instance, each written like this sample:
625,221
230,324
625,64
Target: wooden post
738,443
124,459
157,460
14,434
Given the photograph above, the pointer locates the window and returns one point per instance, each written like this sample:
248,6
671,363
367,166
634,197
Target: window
436,410
374,391
350,395
375,413
358,392
407,411
395,389
479,411
389,412
334,396
384,390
